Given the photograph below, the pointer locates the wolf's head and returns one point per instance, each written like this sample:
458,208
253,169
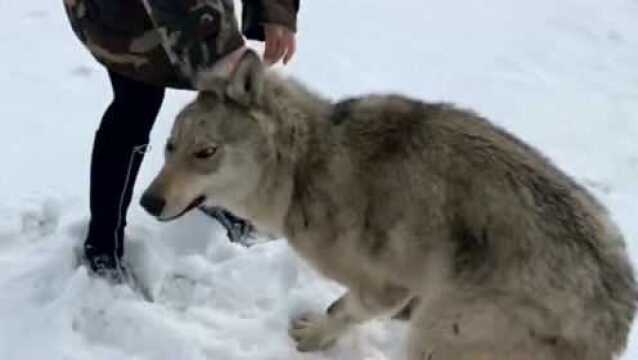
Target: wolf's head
217,148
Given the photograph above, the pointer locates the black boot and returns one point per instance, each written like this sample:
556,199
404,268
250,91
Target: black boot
107,266
118,151
113,174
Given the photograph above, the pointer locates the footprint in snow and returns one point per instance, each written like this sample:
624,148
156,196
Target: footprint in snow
43,221
615,36
82,71
36,14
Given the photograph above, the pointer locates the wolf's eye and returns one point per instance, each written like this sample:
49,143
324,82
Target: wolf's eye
170,147
206,153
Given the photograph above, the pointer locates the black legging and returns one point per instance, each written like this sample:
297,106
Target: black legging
118,151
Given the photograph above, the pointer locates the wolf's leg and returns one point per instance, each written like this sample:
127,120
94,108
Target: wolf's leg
477,327
321,331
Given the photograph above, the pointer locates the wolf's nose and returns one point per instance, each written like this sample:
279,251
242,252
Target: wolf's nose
153,204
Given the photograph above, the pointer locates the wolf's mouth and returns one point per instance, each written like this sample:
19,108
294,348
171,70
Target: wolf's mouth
196,203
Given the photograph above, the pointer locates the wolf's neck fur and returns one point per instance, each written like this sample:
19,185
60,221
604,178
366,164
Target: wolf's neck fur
298,126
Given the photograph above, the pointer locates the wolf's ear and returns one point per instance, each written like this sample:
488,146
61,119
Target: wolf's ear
210,82
246,84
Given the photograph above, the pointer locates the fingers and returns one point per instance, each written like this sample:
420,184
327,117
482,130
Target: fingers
280,50
280,43
273,50
291,48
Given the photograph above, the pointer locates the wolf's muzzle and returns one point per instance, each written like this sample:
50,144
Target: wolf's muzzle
196,203
155,206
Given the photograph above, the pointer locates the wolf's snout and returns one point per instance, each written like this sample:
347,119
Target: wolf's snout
153,204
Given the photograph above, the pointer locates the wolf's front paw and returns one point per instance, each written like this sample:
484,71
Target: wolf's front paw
313,332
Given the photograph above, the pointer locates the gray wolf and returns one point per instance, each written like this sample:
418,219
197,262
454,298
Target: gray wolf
497,253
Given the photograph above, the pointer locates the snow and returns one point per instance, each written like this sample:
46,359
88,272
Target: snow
560,74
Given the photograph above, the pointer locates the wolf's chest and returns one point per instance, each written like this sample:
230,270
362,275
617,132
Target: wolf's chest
335,252
334,260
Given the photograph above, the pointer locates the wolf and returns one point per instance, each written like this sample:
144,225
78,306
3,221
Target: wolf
416,208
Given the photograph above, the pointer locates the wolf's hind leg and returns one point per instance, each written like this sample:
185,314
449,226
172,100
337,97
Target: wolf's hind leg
317,332
474,326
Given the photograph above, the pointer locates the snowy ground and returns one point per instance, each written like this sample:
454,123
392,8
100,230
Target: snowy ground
561,74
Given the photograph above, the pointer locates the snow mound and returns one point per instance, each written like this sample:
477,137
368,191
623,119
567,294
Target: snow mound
212,299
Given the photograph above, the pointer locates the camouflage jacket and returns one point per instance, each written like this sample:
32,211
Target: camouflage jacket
181,36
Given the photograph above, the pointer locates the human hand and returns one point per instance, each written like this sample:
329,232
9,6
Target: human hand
280,43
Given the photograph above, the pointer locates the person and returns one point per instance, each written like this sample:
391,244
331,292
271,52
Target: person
146,47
